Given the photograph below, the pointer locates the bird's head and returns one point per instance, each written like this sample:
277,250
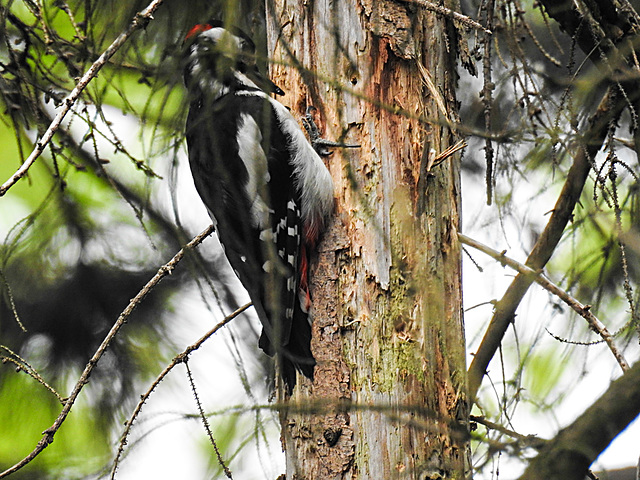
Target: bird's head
221,59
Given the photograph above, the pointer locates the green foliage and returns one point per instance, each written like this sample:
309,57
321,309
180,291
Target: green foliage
84,232
80,446
543,373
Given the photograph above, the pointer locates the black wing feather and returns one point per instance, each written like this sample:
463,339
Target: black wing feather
220,177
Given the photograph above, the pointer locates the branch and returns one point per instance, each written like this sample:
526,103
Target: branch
163,271
583,310
140,20
24,366
608,111
205,422
178,359
574,448
525,440
447,12
575,25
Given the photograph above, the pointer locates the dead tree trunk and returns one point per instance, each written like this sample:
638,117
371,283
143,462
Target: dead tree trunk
388,400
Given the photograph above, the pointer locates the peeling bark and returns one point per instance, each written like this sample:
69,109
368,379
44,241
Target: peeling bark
388,399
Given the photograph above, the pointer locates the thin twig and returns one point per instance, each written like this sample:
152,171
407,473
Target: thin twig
139,21
607,113
583,310
205,422
447,12
529,440
487,98
163,271
26,367
417,414
11,300
64,6
435,160
177,360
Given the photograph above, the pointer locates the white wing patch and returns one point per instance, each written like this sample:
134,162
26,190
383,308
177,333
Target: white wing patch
254,158
312,179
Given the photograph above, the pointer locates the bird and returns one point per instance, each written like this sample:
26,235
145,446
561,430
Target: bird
267,190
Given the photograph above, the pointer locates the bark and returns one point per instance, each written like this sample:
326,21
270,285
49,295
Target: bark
388,399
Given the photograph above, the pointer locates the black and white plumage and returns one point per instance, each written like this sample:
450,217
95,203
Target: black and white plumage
265,187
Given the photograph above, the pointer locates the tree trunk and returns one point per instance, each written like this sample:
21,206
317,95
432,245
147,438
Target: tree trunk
388,399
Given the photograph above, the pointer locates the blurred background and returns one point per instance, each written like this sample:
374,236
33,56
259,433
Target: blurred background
112,199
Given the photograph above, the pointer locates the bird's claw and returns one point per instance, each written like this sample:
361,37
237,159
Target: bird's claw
320,145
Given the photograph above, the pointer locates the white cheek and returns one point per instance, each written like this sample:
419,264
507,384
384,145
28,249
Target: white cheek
206,82
217,33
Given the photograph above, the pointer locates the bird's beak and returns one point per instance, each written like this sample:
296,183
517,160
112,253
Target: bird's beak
276,89
264,83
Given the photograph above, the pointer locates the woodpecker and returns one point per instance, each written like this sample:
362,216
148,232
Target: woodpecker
266,189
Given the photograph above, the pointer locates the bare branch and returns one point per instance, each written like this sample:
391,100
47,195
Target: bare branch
22,365
487,98
205,422
163,271
610,108
526,440
569,454
139,21
436,159
583,310
11,300
447,12
177,360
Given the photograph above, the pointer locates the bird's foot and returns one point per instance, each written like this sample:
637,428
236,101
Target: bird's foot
320,145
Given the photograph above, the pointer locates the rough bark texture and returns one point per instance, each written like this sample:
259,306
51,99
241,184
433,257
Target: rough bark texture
388,400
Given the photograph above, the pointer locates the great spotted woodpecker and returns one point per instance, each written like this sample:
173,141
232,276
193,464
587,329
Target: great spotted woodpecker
265,187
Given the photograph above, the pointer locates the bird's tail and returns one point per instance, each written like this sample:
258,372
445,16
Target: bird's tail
296,354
